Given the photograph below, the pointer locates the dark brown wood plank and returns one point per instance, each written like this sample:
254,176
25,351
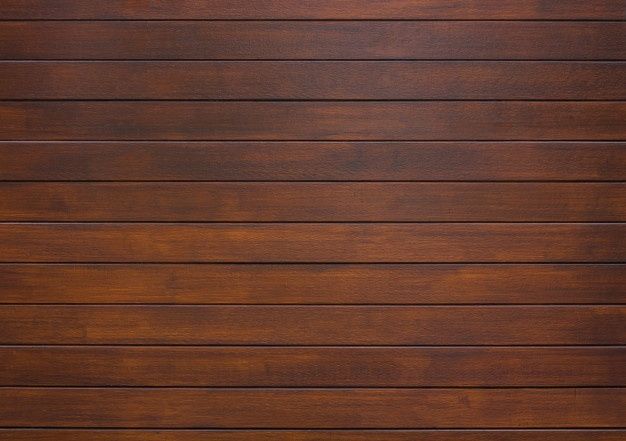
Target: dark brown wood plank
320,9
309,435
312,366
313,325
521,161
318,242
395,80
287,40
313,284
322,408
424,120
276,202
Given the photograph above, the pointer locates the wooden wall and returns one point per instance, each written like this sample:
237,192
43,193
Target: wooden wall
347,220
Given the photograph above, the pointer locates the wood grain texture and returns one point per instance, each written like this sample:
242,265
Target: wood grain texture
313,325
309,435
320,9
323,408
230,220
321,202
425,120
439,161
318,242
289,40
394,80
312,366
313,284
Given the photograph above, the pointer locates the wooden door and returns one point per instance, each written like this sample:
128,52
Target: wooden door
347,220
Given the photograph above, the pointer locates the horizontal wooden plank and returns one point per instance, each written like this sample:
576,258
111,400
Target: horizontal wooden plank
313,284
301,408
312,366
309,435
395,80
424,120
276,202
320,9
287,40
444,161
317,242
313,325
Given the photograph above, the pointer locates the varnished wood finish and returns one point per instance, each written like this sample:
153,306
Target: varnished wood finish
322,408
313,242
320,9
424,120
276,202
295,40
313,80
343,161
314,325
309,435
312,366
313,284
325,220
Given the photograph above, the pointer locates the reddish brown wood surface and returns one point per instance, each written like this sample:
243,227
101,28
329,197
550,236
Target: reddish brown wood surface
321,202
425,120
310,435
311,40
314,80
330,220
314,325
312,366
312,242
343,161
306,408
320,9
313,284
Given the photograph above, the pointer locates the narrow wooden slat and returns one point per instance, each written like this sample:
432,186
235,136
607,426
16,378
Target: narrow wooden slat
276,202
395,80
320,9
523,161
393,243
309,435
325,408
312,367
425,120
313,284
313,325
313,40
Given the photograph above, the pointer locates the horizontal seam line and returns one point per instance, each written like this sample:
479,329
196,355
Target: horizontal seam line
404,305
614,143
270,20
4,344
67,59
306,100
